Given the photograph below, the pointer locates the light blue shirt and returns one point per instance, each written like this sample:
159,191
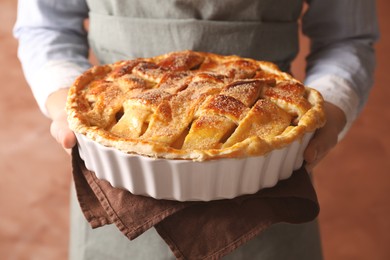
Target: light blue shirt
53,48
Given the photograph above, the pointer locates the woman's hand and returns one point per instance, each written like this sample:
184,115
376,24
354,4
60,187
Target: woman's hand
59,128
325,138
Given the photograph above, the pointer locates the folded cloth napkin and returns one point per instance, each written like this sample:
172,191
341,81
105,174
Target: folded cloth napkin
195,230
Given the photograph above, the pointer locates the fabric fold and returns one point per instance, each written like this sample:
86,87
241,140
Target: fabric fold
195,230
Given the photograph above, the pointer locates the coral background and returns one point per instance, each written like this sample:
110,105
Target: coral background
353,182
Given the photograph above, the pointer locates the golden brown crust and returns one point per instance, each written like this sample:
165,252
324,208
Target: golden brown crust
193,105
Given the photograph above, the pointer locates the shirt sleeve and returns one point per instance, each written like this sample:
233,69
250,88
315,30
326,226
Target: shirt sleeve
53,47
341,62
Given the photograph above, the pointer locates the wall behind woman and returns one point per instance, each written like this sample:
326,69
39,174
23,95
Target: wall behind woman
352,182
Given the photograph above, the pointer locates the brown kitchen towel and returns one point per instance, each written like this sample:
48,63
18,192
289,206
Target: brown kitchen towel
195,230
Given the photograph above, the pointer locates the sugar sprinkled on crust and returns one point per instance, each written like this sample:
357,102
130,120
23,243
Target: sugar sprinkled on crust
193,105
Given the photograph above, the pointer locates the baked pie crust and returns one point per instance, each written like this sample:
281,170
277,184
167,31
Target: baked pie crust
194,106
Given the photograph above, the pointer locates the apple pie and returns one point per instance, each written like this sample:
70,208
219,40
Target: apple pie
192,125
193,105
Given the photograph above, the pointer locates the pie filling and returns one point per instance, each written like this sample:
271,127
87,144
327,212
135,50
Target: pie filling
193,105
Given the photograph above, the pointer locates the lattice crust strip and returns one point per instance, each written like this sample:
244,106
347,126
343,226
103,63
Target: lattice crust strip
193,105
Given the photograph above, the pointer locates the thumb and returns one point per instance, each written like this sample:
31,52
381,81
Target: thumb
59,129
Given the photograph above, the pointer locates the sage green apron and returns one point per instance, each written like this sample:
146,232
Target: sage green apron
259,29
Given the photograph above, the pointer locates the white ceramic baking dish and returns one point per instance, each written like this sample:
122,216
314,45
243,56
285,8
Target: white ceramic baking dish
185,180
